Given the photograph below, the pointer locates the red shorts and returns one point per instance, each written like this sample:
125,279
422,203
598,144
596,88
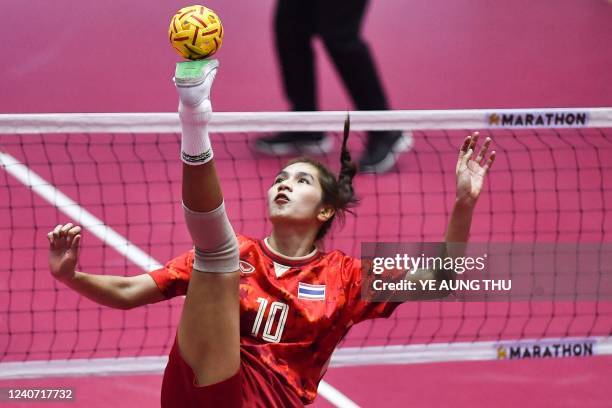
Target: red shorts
254,385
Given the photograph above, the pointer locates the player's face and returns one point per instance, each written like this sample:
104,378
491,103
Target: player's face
295,195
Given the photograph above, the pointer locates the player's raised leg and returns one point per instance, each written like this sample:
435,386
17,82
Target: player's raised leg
208,334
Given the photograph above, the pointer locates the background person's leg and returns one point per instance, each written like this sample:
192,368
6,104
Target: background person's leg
294,29
338,22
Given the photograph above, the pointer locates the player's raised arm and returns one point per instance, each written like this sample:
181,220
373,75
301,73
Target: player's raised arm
470,172
120,292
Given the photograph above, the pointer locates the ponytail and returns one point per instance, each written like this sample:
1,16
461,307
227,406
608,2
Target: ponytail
348,169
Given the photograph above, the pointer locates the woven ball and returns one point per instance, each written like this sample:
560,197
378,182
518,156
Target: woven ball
195,32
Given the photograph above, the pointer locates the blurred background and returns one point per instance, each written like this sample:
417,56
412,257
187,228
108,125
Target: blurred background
114,56
90,56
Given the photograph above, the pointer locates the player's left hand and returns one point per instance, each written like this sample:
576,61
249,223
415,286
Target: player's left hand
471,171
64,250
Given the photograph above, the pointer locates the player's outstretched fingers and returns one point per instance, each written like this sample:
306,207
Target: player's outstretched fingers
56,231
73,232
51,240
64,233
483,151
464,160
474,141
74,246
465,146
65,228
489,162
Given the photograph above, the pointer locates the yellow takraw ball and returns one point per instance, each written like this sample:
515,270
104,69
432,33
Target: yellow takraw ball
195,32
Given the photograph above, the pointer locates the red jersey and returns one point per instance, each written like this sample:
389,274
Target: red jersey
293,311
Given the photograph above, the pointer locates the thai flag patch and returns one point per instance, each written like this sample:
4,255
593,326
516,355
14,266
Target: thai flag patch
311,292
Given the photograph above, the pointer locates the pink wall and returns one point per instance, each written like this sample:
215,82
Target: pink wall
113,56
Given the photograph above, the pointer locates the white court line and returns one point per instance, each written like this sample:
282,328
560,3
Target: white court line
113,239
335,397
73,210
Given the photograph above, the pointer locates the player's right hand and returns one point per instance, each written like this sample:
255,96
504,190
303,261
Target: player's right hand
64,250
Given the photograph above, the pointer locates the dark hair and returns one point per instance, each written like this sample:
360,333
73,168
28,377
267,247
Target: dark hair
337,192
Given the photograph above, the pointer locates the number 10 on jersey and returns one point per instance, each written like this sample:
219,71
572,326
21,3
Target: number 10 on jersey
277,310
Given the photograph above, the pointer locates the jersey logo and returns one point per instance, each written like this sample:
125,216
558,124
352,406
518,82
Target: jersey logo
246,268
279,269
311,292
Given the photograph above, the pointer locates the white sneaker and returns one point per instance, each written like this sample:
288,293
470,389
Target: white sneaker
383,149
193,80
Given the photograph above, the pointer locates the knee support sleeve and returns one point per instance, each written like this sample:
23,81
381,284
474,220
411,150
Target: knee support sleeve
216,246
